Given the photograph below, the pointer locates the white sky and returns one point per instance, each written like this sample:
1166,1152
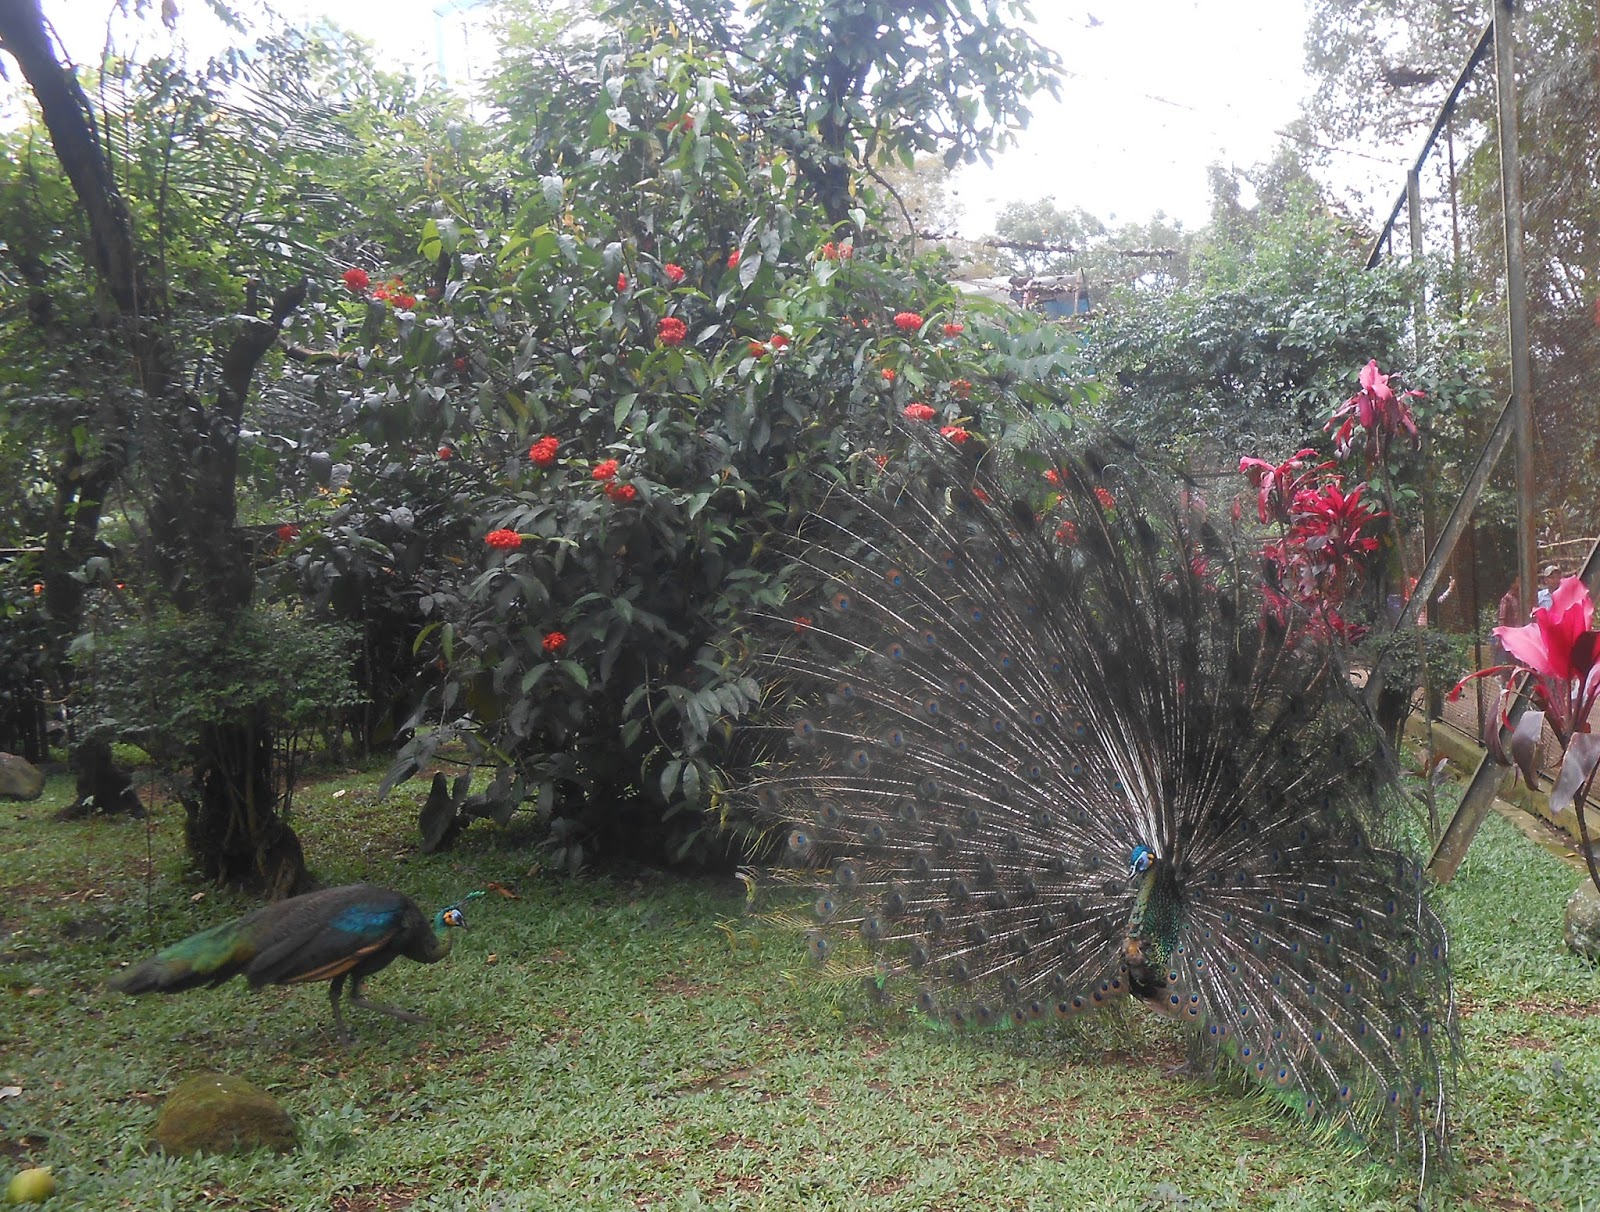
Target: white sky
1156,90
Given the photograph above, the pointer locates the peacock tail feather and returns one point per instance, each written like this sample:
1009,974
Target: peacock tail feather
1049,751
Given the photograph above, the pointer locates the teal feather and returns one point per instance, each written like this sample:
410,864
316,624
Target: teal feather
1048,751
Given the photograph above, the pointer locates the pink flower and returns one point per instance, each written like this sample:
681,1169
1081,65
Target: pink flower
671,331
605,471
1558,643
1377,409
503,540
917,412
356,280
907,321
674,273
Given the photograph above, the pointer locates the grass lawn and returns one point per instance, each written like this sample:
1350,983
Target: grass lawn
627,1043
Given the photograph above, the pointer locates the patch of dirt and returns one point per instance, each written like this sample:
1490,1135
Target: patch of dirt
20,1149
389,1199
1530,1043
1566,1007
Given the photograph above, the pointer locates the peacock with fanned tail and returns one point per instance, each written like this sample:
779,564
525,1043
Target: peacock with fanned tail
1054,745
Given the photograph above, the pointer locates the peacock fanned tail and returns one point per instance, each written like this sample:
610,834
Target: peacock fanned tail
1048,751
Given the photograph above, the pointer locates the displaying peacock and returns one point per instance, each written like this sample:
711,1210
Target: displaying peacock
1055,744
350,931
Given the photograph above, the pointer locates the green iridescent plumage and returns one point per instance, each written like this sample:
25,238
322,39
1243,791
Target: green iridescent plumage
1050,751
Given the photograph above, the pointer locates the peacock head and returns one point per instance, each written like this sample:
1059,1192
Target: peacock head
451,917
1139,861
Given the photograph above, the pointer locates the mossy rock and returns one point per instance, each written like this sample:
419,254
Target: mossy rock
217,1113
1583,921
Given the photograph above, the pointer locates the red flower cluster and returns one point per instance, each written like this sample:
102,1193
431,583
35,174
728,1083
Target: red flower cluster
961,389
288,532
957,435
621,492
918,412
674,273
394,292
954,330
1277,486
543,452
622,284
888,375
446,453
605,471
460,363
356,280
1067,532
757,349
685,123
907,321
671,331
1107,501
802,622
1053,478
503,540
733,259
554,642
837,252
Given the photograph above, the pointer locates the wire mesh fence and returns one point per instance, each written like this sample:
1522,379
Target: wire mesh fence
1449,225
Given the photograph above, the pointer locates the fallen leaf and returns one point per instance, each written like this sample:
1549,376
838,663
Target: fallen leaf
340,794
10,1091
491,958
492,886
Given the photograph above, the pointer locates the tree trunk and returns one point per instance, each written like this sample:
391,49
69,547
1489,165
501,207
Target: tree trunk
232,826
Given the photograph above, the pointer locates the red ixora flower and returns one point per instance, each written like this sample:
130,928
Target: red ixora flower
961,388
673,272
777,340
957,435
288,532
621,492
757,349
1053,478
460,363
888,375
503,540
554,642
917,412
1107,501
907,321
954,330
622,284
543,452
356,280
605,471
1067,532
671,330
802,622
446,453
733,259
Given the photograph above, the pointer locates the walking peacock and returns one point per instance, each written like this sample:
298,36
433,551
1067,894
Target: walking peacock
350,931
1052,747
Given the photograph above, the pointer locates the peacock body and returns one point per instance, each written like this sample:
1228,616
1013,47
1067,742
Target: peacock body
1051,749
341,933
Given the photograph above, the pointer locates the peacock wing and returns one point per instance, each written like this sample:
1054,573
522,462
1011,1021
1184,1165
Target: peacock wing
323,934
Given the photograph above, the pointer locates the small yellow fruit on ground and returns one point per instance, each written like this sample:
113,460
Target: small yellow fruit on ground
30,1187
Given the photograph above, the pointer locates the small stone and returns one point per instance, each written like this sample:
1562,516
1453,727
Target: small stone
20,779
218,1113
1583,921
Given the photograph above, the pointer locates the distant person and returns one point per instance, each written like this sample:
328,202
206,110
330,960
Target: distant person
1507,614
1550,581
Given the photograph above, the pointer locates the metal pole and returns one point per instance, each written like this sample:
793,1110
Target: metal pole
1505,87
1419,289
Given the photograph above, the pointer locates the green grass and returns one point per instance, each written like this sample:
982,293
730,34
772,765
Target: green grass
640,1043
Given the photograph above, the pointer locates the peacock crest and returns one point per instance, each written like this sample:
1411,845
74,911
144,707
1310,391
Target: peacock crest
1047,750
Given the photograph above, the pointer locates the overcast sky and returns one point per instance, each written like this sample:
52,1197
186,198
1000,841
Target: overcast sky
1156,91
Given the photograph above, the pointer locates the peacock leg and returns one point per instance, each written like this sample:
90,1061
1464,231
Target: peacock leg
334,986
405,1016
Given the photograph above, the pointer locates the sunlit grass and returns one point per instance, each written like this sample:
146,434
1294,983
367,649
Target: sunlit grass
615,1042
